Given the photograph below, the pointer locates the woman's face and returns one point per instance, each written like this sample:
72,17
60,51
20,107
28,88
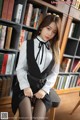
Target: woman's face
48,32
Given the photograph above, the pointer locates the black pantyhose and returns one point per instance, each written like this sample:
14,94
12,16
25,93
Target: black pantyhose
25,110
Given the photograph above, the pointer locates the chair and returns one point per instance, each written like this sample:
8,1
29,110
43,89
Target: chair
76,106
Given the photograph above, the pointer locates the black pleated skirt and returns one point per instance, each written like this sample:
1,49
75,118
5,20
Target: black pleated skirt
18,95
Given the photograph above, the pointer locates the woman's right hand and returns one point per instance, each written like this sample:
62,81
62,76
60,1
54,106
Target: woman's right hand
28,92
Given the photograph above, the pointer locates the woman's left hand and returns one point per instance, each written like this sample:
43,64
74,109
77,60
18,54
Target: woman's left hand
40,94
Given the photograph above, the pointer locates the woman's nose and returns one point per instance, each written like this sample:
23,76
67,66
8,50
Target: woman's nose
49,33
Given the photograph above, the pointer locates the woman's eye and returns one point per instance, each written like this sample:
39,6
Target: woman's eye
54,32
48,28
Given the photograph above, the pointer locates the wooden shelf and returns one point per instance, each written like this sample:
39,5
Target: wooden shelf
69,90
60,8
75,13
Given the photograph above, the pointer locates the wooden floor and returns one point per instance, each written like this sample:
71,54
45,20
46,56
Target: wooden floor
68,102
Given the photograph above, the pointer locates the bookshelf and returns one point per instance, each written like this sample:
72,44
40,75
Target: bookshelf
70,49
9,20
66,13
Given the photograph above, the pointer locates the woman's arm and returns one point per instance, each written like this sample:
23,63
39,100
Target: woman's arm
51,78
21,69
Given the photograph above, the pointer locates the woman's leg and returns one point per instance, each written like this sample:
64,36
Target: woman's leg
25,109
39,111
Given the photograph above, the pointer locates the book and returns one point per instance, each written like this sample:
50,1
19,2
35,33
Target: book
76,66
8,37
10,9
5,9
0,31
0,86
17,13
8,87
1,61
8,66
71,30
12,63
35,17
3,35
4,63
68,80
28,14
4,85
78,81
65,65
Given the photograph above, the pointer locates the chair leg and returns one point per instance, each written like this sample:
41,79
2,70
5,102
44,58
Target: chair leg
75,107
52,114
16,116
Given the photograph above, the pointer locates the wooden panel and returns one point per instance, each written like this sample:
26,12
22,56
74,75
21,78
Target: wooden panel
65,38
69,90
61,7
68,102
75,13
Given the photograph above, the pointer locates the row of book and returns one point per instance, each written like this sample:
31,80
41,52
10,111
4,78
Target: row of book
24,35
76,4
74,30
5,86
32,16
66,65
64,81
11,11
5,36
6,63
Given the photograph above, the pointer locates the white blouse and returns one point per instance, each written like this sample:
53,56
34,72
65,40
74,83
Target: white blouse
21,69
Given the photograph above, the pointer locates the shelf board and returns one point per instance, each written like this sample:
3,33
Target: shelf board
74,73
69,73
28,28
9,22
72,38
8,50
69,90
69,56
77,57
14,23
64,73
61,7
6,75
75,13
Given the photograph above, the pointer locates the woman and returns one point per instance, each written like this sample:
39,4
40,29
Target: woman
37,70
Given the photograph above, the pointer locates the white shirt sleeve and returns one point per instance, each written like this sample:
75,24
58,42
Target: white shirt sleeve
51,79
21,69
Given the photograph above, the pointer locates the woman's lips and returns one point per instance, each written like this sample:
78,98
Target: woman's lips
46,37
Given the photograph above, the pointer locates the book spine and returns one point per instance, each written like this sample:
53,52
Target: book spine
10,9
5,9
3,70
3,35
8,38
28,14
18,12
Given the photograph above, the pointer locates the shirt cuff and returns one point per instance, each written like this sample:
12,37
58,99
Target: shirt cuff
24,85
46,89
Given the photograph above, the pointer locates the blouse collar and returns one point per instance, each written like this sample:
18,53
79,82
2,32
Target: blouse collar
41,39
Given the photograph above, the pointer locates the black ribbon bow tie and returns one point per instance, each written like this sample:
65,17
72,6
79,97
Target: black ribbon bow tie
41,45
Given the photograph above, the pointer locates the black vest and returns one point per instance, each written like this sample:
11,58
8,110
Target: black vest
34,74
